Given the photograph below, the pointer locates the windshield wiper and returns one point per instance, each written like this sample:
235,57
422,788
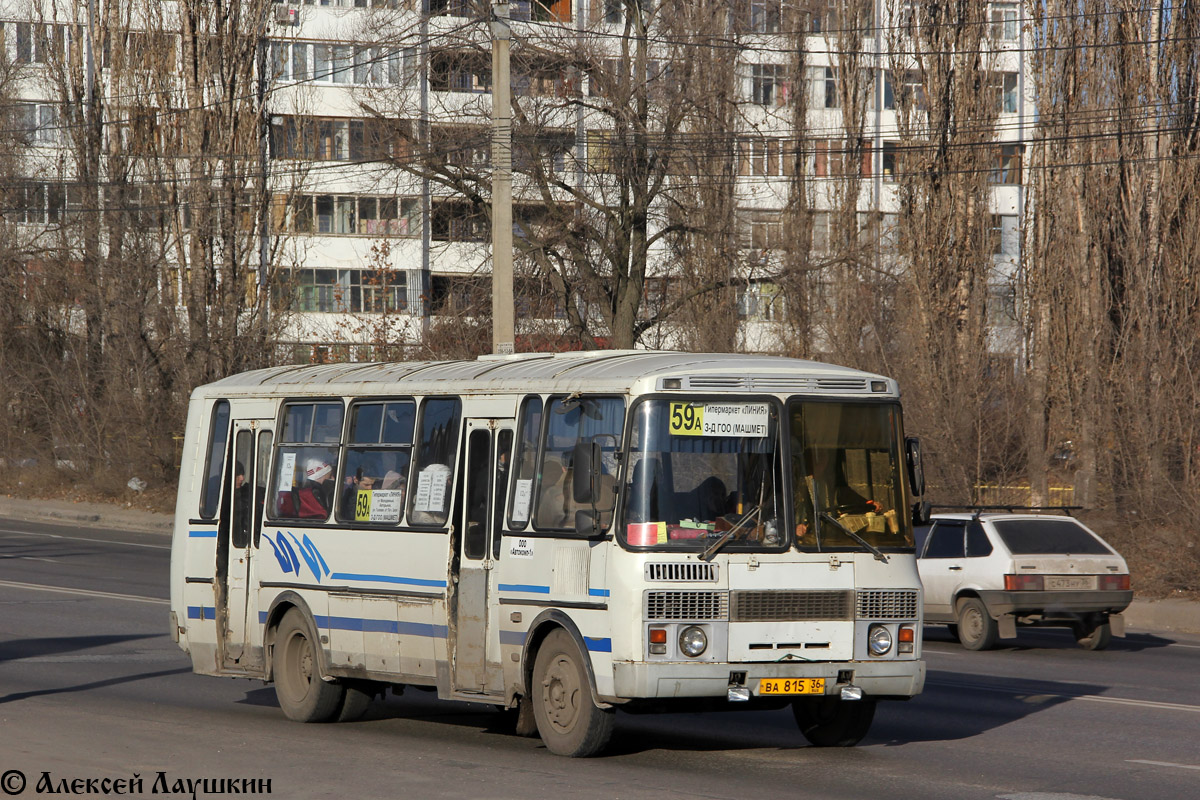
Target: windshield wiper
712,549
879,554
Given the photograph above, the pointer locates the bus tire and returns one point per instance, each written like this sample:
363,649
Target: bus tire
303,695
568,721
359,695
976,628
832,721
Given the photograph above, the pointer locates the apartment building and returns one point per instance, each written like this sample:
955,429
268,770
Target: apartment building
378,148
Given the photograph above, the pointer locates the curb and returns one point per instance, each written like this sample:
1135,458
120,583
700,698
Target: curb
98,515
1163,616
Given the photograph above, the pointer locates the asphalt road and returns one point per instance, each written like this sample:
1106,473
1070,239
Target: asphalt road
91,687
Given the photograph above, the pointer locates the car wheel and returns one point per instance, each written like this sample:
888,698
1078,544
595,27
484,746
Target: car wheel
832,721
976,628
1092,637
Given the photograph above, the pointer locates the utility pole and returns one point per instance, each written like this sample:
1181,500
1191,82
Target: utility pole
502,263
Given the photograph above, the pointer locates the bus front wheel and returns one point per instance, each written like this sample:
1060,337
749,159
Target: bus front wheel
302,694
832,721
568,721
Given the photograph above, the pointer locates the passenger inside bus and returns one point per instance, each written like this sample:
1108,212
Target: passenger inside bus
310,500
821,487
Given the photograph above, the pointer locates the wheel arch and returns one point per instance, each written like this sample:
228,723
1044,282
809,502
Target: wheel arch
539,629
283,603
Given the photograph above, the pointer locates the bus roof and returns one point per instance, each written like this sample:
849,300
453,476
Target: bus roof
611,371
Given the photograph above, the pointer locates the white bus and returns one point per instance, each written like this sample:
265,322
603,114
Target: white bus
561,535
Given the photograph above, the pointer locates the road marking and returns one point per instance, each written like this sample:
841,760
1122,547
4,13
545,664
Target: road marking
1037,691
1161,763
85,592
85,539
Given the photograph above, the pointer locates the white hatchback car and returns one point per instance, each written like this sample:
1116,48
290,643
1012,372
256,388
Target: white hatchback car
986,572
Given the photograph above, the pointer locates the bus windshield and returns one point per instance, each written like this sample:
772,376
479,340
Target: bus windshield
846,464
703,472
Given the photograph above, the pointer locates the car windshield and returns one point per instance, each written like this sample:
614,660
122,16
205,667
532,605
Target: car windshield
846,476
704,474
1025,537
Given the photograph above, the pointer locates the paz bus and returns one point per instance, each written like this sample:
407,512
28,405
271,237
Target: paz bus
564,536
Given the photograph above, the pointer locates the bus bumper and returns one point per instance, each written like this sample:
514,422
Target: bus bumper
638,679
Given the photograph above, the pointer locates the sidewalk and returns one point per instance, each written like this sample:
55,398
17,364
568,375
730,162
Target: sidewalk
1143,616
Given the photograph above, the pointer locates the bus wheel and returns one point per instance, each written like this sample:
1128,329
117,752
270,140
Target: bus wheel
359,695
568,721
832,721
302,694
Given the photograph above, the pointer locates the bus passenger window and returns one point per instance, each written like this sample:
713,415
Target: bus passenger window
429,499
218,431
377,455
305,476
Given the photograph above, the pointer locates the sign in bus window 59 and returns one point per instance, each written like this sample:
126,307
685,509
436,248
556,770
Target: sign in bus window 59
720,419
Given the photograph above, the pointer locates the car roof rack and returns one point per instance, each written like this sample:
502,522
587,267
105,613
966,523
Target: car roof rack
979,509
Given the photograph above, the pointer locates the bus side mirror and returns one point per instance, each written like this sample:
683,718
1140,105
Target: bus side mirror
920,513
916,472
586,469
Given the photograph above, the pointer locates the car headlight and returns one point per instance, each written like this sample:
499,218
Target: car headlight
879,640
693,641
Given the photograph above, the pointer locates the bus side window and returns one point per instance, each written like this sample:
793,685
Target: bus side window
429,495
210,495
305,479
521,493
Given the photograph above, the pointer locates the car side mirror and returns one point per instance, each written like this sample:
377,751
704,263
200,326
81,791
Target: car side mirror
916,471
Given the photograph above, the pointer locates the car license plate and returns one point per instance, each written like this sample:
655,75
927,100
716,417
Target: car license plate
791,686
1084,582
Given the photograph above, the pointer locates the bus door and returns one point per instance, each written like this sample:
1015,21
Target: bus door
477,666
239,533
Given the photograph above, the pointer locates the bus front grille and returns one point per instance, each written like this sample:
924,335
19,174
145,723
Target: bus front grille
687,605
886,604
790,606
681,571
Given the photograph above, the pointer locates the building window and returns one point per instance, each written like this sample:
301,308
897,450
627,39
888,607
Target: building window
460,295
460,71
909,95
1004,20
768,84
36,123
761,302
1007,169
1006,235
351,291
762,157
839,158
1005,87
346,215
762,231
763,16
891,167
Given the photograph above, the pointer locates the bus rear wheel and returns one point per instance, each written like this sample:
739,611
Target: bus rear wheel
832,721
302,694
568,721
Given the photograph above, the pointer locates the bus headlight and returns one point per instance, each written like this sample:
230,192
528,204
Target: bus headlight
879,640
693,641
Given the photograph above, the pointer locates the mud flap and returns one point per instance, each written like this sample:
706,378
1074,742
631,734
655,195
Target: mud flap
1008,626
1116,623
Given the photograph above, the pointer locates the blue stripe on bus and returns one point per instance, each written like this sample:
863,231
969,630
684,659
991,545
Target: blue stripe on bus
523,587
598,645
202,612
512,637
597,592
202,534
382,626
349,576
